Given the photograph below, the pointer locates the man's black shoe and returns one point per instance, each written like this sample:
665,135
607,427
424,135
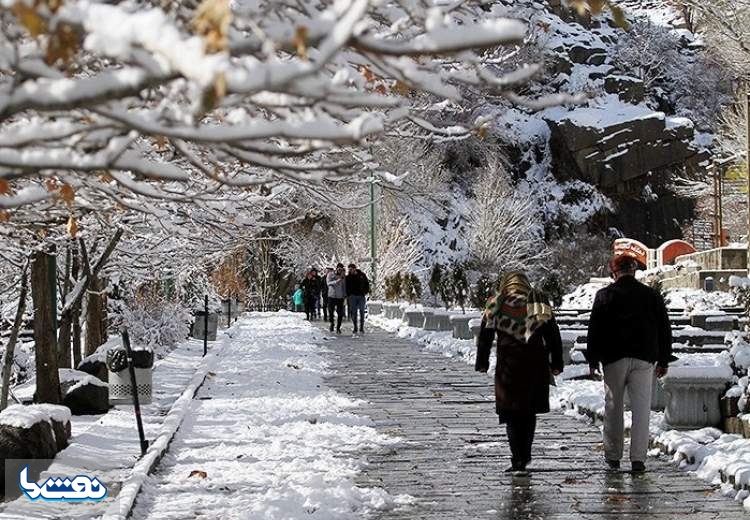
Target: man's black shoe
613,464
637,466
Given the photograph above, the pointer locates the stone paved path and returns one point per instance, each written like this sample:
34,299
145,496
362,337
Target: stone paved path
454,452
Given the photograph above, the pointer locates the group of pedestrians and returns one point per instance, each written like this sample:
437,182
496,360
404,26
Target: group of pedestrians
629,340
337,288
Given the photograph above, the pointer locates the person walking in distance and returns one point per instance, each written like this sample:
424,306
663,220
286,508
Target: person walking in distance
311,292
324,292
336,283
631,337
298,299
529,353
357,288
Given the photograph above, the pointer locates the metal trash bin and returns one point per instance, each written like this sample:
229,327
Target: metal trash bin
120,385
708,284
199,325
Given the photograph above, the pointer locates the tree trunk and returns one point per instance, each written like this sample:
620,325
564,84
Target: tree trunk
63,336
11,347
44,296
75,314
96,315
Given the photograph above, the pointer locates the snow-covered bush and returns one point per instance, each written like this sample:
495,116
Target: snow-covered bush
504,230
696,82
482,290
153,316
412,287
192,284
648,52
460,285
575,260
394,287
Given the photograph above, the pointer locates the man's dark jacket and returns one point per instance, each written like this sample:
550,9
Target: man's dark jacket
629,320
311,287
357,284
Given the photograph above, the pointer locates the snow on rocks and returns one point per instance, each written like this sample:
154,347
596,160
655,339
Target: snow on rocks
699,300
26,416
265,438
583,296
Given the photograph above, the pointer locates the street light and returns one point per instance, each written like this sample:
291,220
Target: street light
373,243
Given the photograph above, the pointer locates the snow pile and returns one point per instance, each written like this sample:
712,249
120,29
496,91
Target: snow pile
583,296
433,341
266,439
739,282
712,456
698,300
26,416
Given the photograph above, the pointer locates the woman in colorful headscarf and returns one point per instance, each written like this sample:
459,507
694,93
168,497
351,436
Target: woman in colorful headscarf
529,354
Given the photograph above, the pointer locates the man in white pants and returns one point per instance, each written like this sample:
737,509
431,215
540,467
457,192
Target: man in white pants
631,337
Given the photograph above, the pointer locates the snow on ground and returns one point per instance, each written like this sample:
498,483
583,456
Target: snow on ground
583,296
266,439
696,300
711,454
106,446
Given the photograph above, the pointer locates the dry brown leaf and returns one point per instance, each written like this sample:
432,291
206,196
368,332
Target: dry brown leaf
29,18
401,88
67,193
368,74
4,216
198,473
380,89
618,499
300,41
212,21
161,142
619,16
72,226
4,187
63,45
105,177
51,185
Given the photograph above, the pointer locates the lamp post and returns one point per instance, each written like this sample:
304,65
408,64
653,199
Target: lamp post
373,243
747,166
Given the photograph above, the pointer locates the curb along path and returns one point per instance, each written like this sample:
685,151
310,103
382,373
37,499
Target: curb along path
454,452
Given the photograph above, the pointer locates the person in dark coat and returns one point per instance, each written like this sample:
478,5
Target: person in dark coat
357,289
630,336
323,280
529,354
311,292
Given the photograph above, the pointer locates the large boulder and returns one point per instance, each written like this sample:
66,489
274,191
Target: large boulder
83,393
95,364
612,143
37,431
628,88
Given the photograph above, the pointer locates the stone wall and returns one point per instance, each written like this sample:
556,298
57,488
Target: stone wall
718,259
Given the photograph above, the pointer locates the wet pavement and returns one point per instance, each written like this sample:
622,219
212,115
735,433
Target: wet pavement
454,452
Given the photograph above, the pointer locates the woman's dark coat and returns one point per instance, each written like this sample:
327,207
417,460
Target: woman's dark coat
523,371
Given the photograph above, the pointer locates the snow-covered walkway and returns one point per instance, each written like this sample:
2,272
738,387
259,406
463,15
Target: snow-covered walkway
265,438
